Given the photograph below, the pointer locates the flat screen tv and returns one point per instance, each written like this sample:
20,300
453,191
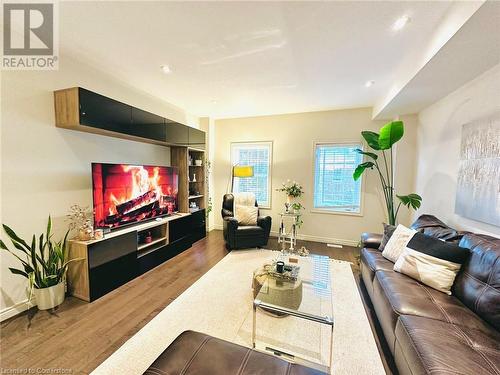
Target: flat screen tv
125,194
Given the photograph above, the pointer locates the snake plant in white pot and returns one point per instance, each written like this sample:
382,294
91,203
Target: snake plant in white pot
44,263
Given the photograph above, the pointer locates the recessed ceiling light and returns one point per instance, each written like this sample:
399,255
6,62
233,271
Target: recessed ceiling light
166,69
369,83
401,22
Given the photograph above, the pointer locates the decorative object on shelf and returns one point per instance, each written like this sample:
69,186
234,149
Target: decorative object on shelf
280,266
240,171
194,177
290,236
290,272
190,160
479,171
198,162
148,238
193,192
297,207
293,190
80,219
44,265
390,133
303,252
98,234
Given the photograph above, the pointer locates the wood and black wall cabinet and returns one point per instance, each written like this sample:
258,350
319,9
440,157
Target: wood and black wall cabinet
79,109
120,256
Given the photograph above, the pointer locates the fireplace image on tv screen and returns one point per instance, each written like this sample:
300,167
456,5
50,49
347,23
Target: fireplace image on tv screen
125,194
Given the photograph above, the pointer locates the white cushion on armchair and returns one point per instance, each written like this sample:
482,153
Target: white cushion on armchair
244,208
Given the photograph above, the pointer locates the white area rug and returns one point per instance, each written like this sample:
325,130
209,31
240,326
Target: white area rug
220,304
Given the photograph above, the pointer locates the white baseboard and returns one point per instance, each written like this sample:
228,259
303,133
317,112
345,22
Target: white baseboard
308,237
16,309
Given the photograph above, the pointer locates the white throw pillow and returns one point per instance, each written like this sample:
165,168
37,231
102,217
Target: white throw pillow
397,243
432,262
434,272
246,215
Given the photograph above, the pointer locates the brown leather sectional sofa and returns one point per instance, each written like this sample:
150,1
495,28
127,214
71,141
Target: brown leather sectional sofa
429,332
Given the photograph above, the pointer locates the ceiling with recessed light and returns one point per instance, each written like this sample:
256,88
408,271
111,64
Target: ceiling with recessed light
233,59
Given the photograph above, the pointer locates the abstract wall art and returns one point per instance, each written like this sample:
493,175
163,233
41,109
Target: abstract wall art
478,185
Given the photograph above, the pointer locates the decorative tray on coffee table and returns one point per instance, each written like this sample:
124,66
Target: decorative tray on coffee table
291,271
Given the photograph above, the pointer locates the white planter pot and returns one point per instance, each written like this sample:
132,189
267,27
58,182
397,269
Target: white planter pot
48,298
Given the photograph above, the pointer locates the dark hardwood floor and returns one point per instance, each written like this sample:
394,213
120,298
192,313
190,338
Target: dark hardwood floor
76,337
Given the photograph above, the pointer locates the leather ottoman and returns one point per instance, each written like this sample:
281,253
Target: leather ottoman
196,353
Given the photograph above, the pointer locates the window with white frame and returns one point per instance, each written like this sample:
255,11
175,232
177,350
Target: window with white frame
334,188
259,156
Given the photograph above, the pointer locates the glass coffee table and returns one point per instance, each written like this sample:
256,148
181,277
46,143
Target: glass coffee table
295,316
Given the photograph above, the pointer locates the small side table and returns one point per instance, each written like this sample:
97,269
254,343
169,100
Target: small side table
288,236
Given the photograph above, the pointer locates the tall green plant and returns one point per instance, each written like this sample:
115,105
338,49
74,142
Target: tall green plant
45,261
381,143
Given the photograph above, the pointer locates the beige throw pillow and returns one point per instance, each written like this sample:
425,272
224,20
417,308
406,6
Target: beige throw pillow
432,262
246,215
436,273
397,243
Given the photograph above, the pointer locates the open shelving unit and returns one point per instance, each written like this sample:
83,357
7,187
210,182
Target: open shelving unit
192,186
197,188
159,238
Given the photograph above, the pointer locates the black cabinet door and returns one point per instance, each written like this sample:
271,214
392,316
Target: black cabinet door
196,138
180,228
199,218
112,263
112,275
101,112
177,134
199,230
148,125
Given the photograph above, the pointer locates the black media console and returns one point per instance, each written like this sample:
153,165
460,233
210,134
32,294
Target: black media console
123,255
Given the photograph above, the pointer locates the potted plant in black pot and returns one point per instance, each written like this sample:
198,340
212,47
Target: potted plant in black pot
44,263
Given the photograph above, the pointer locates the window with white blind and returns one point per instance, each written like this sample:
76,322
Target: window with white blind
334,188
259,156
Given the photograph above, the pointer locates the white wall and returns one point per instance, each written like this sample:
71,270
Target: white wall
293,136
46,169
438,146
